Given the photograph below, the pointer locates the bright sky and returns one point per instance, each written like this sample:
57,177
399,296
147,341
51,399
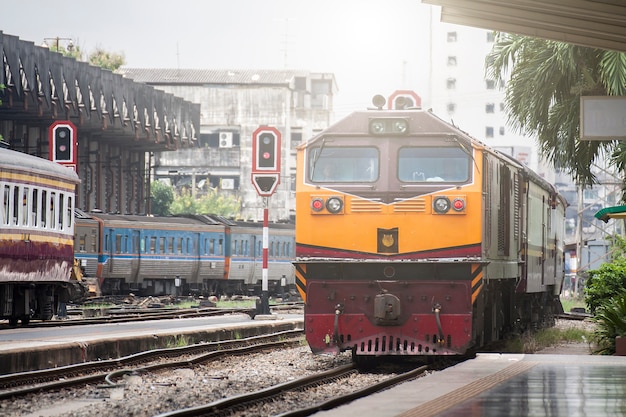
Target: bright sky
372,47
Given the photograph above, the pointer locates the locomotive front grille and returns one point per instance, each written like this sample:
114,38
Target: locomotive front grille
396,346
417,205
365,206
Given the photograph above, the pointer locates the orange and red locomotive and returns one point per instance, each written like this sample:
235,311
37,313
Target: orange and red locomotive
413,238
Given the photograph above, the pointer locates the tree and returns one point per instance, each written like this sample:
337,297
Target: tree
98,58
543,83
107,60
212,203
162,198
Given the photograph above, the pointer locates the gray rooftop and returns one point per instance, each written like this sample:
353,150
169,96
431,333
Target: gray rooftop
211,76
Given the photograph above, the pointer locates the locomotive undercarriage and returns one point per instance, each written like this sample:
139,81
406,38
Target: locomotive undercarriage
508,313
31,301
215,287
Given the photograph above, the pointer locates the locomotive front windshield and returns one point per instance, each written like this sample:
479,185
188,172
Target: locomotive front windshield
345,164
433,164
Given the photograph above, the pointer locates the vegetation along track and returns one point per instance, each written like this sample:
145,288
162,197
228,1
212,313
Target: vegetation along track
19,384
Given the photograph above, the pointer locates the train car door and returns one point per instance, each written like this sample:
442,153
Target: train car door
108,248
195,267
135,263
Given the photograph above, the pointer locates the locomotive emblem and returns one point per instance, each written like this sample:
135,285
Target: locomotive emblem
388,240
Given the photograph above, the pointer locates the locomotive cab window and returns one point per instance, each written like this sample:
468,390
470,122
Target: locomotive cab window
345,164
433,164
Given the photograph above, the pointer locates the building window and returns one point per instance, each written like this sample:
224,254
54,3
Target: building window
451,107
451,36
320,94
491,84
452,61
501,130
451,83
491,37
296,138
501,106
490,108
489,132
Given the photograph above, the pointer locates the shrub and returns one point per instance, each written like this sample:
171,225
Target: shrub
605,283
611,322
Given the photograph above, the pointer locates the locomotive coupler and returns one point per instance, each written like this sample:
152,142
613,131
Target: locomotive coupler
437,309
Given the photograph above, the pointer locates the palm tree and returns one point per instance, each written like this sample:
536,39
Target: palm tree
543,82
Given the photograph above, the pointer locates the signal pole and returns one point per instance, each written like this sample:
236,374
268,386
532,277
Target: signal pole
265,302
265,176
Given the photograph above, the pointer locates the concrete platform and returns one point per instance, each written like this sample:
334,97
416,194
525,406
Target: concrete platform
27,349
498,385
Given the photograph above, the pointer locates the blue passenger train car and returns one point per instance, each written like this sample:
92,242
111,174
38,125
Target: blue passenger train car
176,255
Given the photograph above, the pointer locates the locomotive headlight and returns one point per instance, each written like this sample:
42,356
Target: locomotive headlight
317,204
441,205
389,126
400,126
334,205
377,127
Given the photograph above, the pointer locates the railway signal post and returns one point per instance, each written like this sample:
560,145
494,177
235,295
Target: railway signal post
63,140
266,145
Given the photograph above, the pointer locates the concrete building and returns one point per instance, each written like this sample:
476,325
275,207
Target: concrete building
462,94
234,103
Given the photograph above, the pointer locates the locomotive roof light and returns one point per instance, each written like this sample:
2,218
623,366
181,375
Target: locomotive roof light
389,126
379,101
458,204
441,205
334,205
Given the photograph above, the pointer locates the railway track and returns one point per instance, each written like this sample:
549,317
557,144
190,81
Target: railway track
253,403
121,315
20,384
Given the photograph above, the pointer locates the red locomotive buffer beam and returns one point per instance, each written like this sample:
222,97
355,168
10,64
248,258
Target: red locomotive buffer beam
394,323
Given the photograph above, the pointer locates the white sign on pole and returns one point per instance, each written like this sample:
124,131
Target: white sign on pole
603,118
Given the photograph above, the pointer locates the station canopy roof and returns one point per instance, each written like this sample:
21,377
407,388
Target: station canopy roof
613,212
592,23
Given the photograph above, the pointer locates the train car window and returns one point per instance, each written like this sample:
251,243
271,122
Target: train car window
170,245
179,245
33,208
81,243
69,212
153,242
42,208
5,206
52,208
118,243
61,210
220,247
15,202
126,244
345,164
162,244
433,164
25,207
211,246
247,250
